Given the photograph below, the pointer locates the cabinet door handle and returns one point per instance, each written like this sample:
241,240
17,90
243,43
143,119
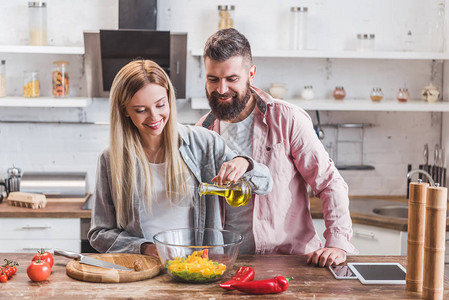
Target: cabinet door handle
28,227
35,249
370,235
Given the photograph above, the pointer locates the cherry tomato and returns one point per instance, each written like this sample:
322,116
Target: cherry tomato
3,278
13,270
38,270
7,271
45,256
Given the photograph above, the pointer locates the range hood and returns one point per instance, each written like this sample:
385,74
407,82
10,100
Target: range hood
107,51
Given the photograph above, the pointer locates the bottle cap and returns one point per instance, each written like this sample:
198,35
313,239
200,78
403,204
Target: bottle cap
61,62
365,36
37,4
226,7
300,9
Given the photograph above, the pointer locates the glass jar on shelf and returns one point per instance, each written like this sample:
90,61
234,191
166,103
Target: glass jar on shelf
408,41
438,32
403,95
31,84
60,79
307,93
376,94
226,16
339,93
37,23
365,42
298,28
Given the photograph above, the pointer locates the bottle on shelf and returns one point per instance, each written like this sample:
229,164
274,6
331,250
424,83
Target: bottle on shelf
37,23
376,95
307,93
339,93
31,84
403,95
438,31
408,42
365,41
298,28
3,78
60,79
226,16
236,193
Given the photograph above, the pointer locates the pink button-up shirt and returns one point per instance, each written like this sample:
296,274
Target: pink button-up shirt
285,141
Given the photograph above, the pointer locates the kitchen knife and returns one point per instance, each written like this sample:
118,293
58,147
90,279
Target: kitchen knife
89,260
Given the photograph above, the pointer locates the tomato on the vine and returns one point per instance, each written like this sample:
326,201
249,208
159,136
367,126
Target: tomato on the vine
8,269
38,270
13,270
45,256
3,278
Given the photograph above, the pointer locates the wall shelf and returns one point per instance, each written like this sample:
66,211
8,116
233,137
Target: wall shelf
350,54
353,105
41,49
45,102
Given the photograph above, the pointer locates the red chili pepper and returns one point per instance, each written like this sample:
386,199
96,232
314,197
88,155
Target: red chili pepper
243,274
274,285
205,254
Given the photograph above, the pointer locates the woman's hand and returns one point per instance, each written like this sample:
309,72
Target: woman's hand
326,257
232,170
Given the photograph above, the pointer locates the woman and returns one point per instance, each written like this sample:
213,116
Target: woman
146,179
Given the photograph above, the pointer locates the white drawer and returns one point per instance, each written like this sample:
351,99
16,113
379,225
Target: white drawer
40,228
371,240
32,246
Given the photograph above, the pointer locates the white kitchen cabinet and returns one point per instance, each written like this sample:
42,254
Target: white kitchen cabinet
372,240
362,104
79,102
353,105
32,234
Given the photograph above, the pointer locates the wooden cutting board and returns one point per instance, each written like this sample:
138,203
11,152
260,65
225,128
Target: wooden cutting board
151,267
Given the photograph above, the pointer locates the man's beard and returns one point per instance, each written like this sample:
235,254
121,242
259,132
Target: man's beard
230,109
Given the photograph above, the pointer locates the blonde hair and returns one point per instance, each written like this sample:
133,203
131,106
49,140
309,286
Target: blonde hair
126,148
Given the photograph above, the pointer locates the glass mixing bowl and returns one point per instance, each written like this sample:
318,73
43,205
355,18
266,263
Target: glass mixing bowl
197,255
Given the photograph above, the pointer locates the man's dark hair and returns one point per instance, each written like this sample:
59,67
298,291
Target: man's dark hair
227,43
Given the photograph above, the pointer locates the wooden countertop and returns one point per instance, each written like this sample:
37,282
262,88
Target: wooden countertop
72,208
55,208
309,282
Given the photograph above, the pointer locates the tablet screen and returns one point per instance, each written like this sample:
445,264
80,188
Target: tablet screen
381,272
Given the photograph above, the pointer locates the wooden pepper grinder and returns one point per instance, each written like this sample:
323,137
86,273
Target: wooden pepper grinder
434,242
415,237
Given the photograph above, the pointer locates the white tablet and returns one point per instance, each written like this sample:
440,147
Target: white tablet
379,273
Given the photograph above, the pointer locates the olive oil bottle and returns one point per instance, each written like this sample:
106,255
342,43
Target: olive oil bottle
236,193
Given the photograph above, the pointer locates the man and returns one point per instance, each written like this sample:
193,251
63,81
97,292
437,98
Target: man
280,136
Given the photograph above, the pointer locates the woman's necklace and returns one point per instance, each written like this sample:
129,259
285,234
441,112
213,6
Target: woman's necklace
156,155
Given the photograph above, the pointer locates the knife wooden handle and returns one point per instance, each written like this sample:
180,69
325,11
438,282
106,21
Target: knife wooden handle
66,253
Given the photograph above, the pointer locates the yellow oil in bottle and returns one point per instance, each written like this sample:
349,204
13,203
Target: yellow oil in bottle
236,194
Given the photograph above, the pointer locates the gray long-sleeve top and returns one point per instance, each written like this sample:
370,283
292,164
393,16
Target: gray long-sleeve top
204,152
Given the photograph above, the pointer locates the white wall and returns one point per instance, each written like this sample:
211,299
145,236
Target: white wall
395,140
